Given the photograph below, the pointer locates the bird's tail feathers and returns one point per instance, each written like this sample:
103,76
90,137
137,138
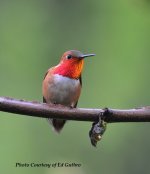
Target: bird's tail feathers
57,124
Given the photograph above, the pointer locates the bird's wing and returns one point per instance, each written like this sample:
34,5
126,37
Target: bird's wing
80,79
46,73
49,71
44,101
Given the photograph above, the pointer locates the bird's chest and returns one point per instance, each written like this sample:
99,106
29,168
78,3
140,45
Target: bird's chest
64,90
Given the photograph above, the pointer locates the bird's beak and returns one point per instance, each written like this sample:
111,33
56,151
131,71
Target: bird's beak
87,55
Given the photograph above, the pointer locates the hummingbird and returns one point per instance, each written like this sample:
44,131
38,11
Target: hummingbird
62,83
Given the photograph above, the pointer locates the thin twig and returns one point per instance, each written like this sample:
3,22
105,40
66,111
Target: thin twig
37,109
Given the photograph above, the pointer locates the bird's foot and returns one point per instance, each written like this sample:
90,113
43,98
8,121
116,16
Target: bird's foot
71,107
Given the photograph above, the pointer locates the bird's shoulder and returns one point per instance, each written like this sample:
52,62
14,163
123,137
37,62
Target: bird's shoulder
49,72
80,79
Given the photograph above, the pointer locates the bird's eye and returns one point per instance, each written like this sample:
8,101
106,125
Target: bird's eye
69,56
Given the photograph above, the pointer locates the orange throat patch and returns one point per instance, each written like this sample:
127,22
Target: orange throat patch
71,69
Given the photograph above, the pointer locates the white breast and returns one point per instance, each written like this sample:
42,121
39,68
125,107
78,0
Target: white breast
64,90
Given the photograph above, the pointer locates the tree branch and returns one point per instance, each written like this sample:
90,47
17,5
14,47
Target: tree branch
43,110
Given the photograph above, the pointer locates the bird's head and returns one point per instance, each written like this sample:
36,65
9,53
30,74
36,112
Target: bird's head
71,64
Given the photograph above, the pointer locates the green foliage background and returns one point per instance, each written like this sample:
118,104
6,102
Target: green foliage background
33,35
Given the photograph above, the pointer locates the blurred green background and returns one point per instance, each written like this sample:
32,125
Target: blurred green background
33,35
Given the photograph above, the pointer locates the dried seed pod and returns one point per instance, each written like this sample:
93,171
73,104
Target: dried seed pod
96,132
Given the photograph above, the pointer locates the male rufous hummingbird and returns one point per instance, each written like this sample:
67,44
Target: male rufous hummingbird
62,83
